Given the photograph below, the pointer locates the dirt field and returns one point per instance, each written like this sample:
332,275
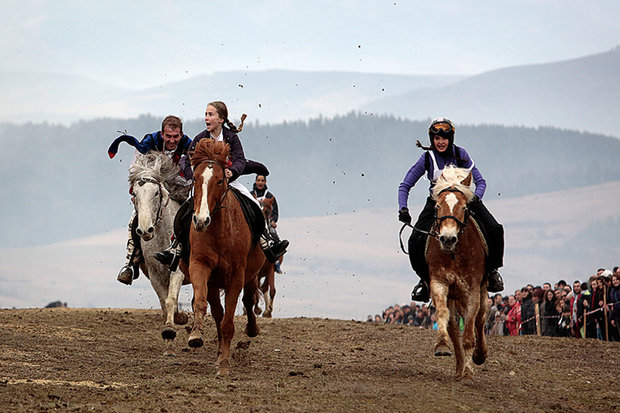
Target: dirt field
112,361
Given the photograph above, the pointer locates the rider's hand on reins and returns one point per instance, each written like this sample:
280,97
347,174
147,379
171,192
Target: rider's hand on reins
403,215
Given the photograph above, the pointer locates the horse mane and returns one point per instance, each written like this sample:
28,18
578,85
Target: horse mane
157,166
452,177
210,150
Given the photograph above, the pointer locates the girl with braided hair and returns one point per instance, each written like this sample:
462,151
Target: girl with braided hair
440,154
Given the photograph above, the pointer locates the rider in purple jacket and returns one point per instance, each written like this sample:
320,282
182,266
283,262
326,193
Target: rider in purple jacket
440,154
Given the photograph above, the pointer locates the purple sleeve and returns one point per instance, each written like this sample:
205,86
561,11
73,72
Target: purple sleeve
481,184
412,177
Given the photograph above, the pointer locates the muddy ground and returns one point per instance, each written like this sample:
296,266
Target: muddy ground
112,360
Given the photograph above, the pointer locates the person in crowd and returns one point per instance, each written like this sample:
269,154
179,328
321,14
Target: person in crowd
513,318
260,192
498,325
546,286
219,128
171,141
550,314
498,302
528,313
441,153
614,303
598,300
564,326
573,307
587,329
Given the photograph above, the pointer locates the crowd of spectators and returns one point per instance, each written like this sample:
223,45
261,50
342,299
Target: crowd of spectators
588,309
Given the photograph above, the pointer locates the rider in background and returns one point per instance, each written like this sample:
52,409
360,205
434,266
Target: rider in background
260,192
216,116
172,142
441,153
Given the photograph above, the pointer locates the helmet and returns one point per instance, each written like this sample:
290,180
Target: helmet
442,127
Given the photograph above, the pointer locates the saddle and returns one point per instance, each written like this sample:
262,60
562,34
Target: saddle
252,213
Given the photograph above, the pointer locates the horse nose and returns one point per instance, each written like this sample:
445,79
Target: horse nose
150,230
139,231
447,240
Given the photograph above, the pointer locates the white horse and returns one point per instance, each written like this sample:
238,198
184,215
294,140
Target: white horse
154,180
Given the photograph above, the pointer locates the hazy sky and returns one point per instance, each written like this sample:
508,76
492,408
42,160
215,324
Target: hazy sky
147,43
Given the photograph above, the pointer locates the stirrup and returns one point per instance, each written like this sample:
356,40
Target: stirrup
125,275
421,292
170,257
495,283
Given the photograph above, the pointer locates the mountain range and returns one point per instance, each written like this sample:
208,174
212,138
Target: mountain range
580,94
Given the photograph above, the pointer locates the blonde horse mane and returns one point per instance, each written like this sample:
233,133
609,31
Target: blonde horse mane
453,177
155,166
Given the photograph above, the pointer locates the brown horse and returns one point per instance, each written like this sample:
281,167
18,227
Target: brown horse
223,255
267,271
456,260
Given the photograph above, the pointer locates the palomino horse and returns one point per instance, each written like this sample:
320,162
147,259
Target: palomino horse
456,260
222,255
152,178
267,272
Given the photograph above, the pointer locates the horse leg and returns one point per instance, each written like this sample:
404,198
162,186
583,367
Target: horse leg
199,274
257,295
455,337
481,350
171,303
249,300
162,292
270,280
228,322
439,293
217,312
469,337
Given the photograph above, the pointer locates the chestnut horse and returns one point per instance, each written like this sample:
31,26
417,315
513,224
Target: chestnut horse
222,255
456,259
267,272
156,198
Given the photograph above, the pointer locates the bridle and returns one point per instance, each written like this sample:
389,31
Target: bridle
436,223
439,220
220,203
162,205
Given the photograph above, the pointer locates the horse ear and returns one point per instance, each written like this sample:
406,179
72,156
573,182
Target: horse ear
467,180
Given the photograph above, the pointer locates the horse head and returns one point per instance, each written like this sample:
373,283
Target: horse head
210,183
148,177
451,193
267,207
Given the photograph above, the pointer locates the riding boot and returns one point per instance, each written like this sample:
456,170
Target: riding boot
273,250
171,256
495,283
421,292
130,270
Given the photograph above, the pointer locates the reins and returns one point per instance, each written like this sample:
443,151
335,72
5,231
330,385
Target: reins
436,220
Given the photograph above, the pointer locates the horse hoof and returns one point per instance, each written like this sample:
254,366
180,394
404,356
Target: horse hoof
223,369
442,351
251,331
195,340
258,311
479,358
168,333
180,318
267,314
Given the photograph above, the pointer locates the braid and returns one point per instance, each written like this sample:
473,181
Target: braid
232,126
419,145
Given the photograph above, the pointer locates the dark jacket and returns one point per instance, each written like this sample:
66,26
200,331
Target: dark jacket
552,318
528,322
240,165
614,300
151,141
264,193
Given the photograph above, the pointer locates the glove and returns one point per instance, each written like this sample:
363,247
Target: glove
403,215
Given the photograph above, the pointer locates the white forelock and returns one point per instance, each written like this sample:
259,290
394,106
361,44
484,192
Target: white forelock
451,177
